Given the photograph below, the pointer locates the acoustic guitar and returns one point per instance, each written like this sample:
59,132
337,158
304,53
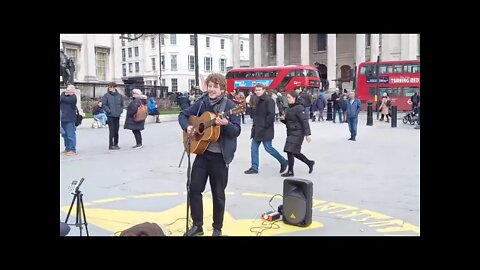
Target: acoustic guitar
205,131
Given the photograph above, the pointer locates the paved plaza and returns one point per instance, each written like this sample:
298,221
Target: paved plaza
369,187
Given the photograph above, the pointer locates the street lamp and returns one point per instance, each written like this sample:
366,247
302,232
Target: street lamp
197,82
160,59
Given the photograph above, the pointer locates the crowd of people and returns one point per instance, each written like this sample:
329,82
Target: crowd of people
294,109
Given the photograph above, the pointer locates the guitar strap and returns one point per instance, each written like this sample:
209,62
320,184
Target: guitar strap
223,104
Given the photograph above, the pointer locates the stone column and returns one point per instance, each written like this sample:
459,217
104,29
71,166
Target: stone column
236,50
332,60
280,50
250,49
257,50
116,58
408,46
90,58
374,47
305,49
360,49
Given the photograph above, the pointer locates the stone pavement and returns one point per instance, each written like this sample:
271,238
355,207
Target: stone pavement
367,187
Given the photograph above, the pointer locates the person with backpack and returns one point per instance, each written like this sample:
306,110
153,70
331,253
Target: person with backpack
153,109
136,115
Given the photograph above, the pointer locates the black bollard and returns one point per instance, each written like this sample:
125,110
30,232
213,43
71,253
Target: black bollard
376,108
369,114
329,111
394,116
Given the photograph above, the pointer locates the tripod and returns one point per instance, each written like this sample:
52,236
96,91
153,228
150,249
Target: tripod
78,218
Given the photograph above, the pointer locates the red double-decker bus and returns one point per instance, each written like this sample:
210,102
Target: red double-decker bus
400,79
280,78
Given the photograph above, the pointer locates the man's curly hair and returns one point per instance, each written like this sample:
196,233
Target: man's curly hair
217,78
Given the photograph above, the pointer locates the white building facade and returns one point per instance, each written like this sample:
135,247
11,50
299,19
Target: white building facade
337,54
176,69
97,59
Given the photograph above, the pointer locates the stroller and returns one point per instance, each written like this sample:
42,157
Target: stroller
411,117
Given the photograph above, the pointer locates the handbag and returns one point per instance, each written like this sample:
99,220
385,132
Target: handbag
78,120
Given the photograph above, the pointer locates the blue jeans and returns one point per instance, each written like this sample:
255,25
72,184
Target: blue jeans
69,138
352,126
62,131
307,111
335,114
102,117
269,148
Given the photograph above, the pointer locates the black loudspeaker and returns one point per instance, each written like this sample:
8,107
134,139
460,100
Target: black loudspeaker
297,202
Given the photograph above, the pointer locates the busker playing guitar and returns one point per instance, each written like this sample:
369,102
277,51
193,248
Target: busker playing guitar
214,161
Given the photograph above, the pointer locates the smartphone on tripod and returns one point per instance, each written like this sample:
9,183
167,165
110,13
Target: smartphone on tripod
75,185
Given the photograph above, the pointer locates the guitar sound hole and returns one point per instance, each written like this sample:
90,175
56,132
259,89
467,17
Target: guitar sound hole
201,127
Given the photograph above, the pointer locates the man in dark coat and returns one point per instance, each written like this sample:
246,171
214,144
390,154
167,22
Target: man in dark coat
68,112
113,105
336,106
263,131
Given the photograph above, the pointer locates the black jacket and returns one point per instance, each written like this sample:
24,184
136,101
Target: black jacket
228,133
262,129
297,127
336,104
97,110
68,107
113,103
306,98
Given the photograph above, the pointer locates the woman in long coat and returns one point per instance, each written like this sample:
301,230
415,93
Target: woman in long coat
130,123
383,107
298,128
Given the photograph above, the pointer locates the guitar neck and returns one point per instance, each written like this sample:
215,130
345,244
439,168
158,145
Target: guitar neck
212,122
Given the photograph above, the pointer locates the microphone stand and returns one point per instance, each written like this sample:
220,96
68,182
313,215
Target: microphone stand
189,173
189,168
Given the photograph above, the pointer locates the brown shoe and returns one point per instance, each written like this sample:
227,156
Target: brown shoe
70,153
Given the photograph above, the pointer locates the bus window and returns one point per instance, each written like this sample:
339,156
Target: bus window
389,69
407,68
409,91
371,91
397,68
229,75
387,90
415,68
397,91
382,69
367,70
311,73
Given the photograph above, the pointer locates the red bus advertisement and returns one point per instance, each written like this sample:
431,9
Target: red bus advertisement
399,79
280,78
